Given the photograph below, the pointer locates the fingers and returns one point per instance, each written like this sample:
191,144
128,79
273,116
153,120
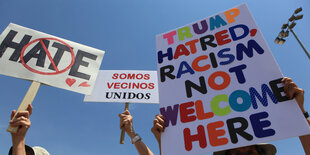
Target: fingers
125,123
22,114
158,128
159,119
159,123
29,108
290,88
124,114
125,119
21,121
13,113
21,118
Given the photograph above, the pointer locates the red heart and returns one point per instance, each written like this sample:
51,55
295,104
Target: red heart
84,84
253,32
70,82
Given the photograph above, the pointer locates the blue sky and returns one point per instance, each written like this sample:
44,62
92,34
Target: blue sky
64,124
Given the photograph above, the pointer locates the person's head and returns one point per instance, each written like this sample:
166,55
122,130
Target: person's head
36,150
258,149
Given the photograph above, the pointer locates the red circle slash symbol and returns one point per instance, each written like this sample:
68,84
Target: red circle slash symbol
48,55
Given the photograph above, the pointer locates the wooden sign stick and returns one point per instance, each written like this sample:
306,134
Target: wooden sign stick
31,93
123,128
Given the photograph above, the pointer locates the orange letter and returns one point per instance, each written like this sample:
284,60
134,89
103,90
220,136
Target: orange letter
201,115
192,45
214,134
215,86
195,65
231,14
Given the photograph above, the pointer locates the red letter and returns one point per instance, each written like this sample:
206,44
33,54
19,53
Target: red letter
181,50
146,76
110,86
184,112
221,36
115,76
201,137
131,76
117,85
124,87
151,86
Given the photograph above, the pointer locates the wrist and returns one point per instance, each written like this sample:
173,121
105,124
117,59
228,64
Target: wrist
135,139
18,140
17,144
131,134
306,114
303,110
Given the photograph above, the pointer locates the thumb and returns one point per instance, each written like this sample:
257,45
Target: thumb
13,113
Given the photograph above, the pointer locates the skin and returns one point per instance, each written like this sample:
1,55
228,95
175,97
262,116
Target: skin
126,122
291,90
23,122
158,128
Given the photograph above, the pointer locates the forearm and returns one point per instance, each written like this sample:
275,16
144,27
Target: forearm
142,148
159,147
18,147
305,141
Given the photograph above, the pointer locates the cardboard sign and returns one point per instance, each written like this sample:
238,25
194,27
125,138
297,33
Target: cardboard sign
125,86
220,87
33,55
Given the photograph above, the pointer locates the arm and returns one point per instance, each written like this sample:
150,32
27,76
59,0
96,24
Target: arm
18,139
158,128
305,141
291,90
126,122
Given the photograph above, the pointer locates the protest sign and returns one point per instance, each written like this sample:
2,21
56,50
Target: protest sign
125,86
220,87
36,56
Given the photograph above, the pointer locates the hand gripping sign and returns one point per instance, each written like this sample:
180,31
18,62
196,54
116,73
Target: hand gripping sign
40,57
220,87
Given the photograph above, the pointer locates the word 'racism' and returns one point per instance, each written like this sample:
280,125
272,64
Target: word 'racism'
202,57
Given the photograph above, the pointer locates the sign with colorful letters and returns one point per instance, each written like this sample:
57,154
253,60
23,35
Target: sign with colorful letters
220,87
33,55
125,86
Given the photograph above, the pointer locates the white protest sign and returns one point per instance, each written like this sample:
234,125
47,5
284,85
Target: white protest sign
37,56
125,86
220,87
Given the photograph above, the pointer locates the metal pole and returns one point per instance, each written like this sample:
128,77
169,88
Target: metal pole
307,53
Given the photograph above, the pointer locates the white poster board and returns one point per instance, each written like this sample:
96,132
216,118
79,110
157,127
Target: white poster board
220,87
37,56
132,86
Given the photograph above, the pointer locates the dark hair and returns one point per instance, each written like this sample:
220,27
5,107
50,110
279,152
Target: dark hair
260,150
